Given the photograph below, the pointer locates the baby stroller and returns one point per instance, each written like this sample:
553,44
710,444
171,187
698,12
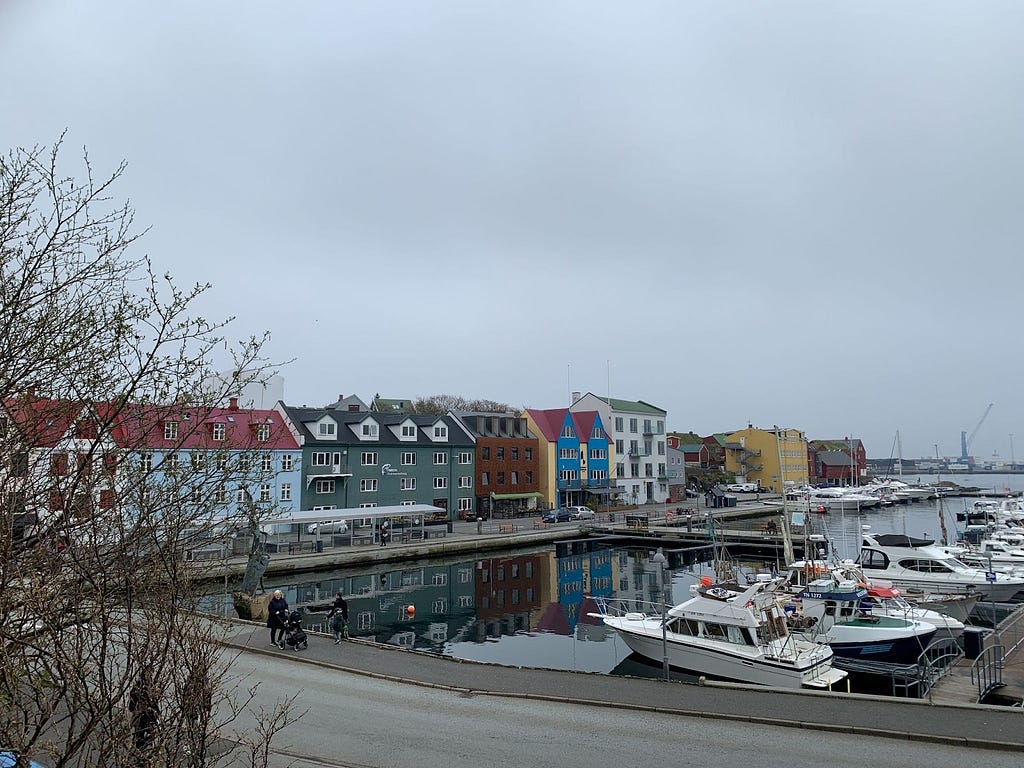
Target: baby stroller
294,637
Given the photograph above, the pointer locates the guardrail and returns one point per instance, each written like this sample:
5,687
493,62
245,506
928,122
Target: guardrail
987,669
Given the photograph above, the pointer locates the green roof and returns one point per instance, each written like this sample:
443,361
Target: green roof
633,406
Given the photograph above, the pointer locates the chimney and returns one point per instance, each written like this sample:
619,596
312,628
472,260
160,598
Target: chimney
341,397
575,397
233,404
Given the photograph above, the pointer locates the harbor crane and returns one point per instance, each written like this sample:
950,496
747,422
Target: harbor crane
966,440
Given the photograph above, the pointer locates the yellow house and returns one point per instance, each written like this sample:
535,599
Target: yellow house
774,458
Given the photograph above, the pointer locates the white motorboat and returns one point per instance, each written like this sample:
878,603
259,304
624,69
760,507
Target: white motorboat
995,553
737,633
833,610
914,563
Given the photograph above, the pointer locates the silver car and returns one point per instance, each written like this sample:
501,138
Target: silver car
581,513
336,526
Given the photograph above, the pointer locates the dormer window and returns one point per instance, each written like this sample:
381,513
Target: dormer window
170,430
326,429
369,430
567,431
263,432
219,431
408,430
440,432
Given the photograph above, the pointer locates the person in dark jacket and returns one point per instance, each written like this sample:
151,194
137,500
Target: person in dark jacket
339,618
277,611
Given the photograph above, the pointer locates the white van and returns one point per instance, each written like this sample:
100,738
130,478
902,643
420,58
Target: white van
581,513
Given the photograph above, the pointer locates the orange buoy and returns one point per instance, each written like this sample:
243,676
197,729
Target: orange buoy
411,610
705,581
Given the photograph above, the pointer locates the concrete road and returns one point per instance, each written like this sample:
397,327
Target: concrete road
354,720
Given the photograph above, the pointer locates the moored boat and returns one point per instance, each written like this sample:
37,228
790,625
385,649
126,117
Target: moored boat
732,633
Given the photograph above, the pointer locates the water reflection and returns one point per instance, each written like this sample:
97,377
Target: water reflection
523,608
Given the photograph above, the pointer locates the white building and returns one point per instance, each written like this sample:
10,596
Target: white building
637,431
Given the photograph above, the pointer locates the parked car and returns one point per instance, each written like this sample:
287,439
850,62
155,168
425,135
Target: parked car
335,526
561,515
742,487
581,513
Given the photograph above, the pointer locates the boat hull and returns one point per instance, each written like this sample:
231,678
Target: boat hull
713,662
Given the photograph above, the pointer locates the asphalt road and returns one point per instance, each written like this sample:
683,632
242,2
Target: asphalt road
354,720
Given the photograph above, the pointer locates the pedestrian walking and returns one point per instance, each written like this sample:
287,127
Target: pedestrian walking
143,704
385,533
277,611
339,618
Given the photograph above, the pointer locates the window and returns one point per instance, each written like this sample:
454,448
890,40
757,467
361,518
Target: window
620,446
514,454
244,462
325,485
528,478
110,462
567,431
369,430
286,491
618,423
528,454
465,457
219,431
325,429
440,458
368,459
170,430
598,453
408,459
440,432
408,484
171,460
485,453
465,504
287,462
515,478
263,433
485,478
222,461
242,496
145,462
221,495
408,430
320,459
265,492
266,463
365,620
499,453
465,481
59,464
501,478
106,498
568,453
198,459
368,484
440,482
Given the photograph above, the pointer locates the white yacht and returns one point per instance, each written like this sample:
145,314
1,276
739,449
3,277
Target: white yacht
914,563
733,633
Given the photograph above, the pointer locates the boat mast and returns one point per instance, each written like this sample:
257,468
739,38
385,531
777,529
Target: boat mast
787,540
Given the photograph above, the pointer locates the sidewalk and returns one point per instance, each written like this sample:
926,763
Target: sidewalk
971,725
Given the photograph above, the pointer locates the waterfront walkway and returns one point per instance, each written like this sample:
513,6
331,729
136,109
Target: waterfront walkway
975,726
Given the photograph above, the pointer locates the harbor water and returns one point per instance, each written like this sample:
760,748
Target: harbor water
534,608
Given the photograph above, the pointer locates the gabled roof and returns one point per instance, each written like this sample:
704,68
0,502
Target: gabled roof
691,447
690,438
583,421
142,426
834,458
42,422
391,405
549,421
833,445
346,420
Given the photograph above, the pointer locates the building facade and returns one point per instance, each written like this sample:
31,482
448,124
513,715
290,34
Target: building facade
507,463
775,458
637,433
574,457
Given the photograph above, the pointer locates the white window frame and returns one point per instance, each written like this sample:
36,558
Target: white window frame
263,433
220,430
440,432
286,491
440,458
326,429
440,483
465,481
408,458
465,504
266,463
265,492
320,459
324,485
170,430
465,457
287,462
368,484
408,484
368,459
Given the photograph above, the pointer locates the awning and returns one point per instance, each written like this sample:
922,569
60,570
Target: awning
501,496
326,476
600,491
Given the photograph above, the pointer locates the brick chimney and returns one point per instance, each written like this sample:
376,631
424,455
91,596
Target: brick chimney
233,404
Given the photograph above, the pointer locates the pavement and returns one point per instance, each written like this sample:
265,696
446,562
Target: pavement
976,726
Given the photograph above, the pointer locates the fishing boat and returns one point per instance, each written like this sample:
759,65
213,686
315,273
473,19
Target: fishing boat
730,632
834,610
889,601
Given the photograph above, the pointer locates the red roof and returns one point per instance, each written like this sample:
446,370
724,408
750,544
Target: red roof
143,426
549,421
41,421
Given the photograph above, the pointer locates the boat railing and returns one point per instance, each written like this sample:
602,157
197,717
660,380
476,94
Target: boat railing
608,606
987,671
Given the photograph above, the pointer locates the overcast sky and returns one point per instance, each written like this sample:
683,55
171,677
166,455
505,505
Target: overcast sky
796,213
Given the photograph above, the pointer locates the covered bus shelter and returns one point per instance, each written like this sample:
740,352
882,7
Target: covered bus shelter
319,528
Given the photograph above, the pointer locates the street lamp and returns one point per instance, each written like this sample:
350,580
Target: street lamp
659,559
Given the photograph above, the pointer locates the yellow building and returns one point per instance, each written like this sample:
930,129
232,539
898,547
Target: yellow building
774,458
